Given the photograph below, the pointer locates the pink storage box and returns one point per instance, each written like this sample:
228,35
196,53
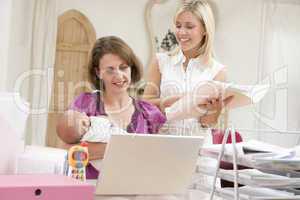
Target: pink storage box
44,187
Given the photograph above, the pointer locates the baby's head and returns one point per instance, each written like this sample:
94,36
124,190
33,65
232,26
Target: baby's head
75,125
76,135
72,135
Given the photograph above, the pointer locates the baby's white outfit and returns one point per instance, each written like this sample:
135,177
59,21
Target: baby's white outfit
101,129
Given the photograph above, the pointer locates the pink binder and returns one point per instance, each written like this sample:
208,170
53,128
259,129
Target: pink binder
44,187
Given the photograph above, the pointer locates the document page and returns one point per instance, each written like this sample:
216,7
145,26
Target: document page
191,104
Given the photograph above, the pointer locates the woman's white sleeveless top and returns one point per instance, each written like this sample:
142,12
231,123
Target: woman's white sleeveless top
176,80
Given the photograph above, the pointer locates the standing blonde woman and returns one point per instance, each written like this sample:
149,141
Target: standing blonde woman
171,75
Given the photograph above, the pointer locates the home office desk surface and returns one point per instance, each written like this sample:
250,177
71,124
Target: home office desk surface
191,195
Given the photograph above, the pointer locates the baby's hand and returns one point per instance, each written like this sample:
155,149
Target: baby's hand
84,124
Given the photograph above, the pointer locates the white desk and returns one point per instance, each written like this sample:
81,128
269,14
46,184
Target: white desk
192,195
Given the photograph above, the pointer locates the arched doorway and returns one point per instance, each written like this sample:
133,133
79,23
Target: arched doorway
75,37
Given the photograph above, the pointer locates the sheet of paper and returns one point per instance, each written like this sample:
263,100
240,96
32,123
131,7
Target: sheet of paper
188,106
259,146
244,95
258,192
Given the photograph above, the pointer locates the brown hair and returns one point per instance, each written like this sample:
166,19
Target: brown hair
116,46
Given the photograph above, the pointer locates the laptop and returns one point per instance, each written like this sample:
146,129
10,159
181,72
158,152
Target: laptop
144,164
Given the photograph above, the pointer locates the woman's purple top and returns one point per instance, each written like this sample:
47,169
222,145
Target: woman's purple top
146,118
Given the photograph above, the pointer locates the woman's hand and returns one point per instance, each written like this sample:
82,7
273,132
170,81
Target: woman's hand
214,107
80,120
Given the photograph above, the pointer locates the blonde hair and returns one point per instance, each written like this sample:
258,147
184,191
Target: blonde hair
202,10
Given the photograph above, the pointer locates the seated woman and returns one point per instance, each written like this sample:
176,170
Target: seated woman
113,68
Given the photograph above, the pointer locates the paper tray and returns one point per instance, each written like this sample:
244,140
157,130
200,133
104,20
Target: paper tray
251,193
253,177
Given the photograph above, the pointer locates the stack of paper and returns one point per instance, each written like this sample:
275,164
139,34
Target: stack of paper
279,158
254,177
257,154
273,169
252,193
247,192
213,151
45,160
284,164
254,146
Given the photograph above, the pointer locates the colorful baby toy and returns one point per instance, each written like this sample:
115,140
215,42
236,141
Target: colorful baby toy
78,158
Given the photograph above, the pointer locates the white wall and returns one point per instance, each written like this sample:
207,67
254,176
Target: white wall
280,63
114,17
236,32
5,14
20,44
260,40
237,43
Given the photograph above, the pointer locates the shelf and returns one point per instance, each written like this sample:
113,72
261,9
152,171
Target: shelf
282,167
274,174
254,177
251,193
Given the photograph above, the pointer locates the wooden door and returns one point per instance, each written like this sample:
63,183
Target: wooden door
75,37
